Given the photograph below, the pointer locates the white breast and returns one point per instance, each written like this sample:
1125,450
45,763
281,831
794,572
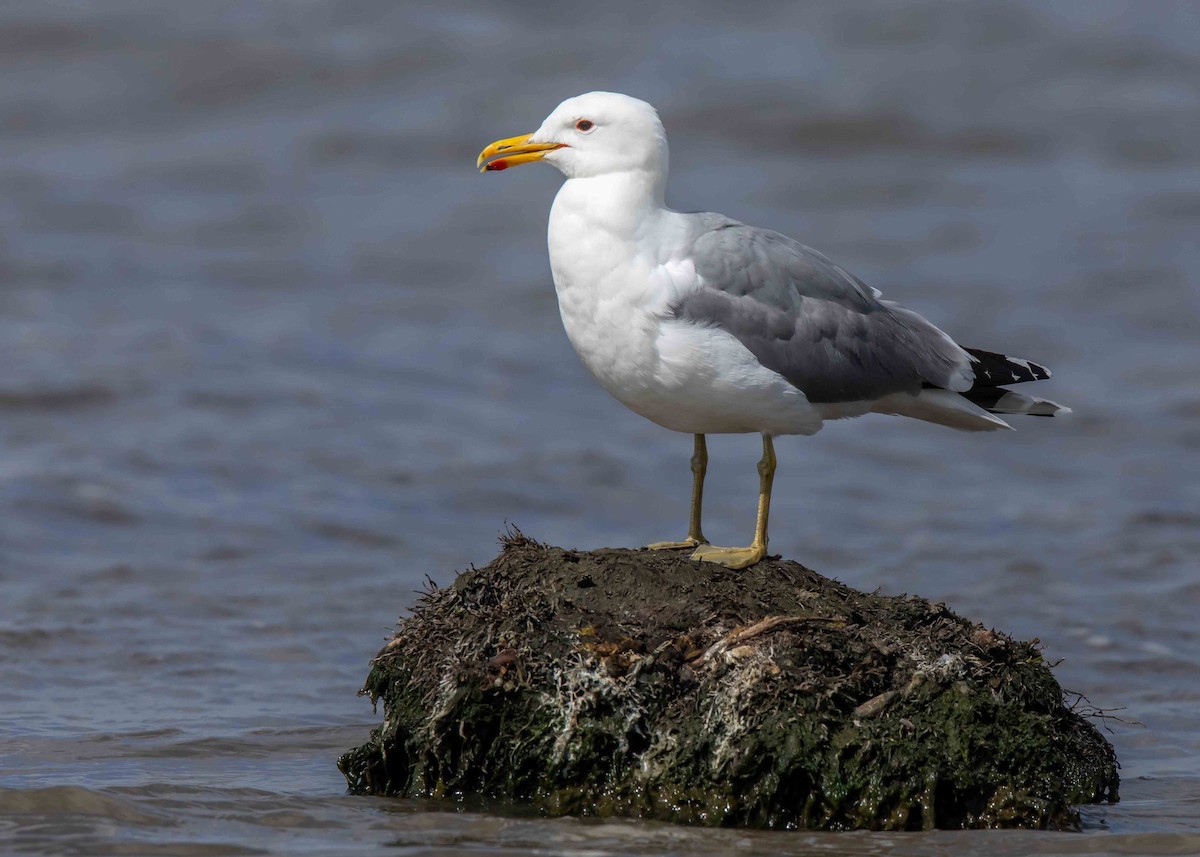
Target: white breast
616,279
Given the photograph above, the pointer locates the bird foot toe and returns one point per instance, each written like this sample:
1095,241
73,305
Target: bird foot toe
735,558
666,546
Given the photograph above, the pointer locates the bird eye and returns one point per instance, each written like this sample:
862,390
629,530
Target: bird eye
584,125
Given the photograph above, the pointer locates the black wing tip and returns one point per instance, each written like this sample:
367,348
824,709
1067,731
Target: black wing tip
993,369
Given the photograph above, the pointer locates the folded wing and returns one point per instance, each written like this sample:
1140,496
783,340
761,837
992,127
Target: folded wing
829,335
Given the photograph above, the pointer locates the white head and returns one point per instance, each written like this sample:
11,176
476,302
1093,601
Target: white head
591,135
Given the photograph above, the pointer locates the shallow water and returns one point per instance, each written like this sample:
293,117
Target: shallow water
274,353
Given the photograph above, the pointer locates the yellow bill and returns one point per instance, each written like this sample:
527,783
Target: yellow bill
513,151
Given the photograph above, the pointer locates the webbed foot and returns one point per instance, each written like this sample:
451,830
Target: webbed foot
735,558
667,546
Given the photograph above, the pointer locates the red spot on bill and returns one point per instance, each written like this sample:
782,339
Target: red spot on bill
498,164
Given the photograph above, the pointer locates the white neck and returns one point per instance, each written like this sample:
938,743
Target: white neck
622,204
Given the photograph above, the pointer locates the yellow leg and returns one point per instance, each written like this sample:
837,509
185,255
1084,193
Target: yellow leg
745,557
699,467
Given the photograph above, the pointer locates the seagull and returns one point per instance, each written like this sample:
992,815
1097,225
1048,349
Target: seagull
705,325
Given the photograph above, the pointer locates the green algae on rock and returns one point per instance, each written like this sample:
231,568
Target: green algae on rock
643,684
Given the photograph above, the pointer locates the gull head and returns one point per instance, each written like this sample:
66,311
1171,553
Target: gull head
594,134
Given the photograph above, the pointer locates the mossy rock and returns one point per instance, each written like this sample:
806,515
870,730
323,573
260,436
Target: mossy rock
643,684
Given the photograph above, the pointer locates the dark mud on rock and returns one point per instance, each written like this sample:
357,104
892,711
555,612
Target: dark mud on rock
637,683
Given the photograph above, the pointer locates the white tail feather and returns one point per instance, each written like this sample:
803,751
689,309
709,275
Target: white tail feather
943,407
1020,403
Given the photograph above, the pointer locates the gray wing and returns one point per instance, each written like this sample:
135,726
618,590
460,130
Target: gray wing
811,321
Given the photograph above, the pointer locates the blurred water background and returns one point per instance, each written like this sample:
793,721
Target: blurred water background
273,352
